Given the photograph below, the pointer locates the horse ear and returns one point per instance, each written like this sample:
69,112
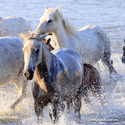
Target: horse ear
57,8
22,35
46,8
42,37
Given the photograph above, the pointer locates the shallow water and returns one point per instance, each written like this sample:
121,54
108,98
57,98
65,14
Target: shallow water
107,14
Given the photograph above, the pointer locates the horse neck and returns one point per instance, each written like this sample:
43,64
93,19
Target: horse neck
47,70
60,35
46,56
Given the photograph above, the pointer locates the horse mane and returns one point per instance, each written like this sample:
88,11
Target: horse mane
56,12
32,35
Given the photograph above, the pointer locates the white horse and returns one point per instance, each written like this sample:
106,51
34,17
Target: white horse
11,65
58,76
91,42
10,26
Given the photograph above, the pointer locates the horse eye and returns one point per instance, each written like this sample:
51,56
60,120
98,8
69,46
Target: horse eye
49,21
37,50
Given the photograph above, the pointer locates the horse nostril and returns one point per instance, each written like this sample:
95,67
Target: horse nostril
26,74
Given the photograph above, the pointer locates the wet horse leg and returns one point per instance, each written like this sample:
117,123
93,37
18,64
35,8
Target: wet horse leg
40,101
77,106
38,106
68,104
20,83
98,94
109,63
57,109
85,95
95,87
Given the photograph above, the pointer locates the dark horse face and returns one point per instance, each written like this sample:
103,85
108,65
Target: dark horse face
123,56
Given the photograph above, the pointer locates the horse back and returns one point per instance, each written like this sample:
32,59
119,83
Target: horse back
68,58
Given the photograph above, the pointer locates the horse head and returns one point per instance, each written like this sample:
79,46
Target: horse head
32,53
53,22
48,22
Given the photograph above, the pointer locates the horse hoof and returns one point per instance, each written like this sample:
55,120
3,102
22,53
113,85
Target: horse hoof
113,72
78,118
68,111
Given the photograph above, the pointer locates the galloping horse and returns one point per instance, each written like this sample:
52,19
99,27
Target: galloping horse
91,42
11,65
58,76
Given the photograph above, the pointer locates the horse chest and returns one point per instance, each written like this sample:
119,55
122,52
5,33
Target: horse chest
41,95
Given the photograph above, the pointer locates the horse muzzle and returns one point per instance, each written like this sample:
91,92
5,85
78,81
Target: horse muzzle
28,74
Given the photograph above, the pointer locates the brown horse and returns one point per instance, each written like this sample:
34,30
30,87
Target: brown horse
91,81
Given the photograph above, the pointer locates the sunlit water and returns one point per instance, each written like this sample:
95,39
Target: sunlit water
110,15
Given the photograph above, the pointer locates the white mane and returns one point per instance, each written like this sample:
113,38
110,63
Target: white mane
68,27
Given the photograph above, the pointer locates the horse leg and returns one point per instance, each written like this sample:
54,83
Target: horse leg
109,63
77,106
39,111
84,92
69,104
56,110
85,95
20,83
96,90
101,98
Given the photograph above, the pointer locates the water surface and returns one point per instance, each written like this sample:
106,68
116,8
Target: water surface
110,15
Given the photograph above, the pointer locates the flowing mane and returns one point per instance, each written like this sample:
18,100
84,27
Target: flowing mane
56,12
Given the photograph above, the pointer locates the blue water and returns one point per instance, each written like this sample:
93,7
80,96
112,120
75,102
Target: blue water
109,15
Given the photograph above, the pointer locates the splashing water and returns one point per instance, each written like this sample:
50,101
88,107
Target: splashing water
107,14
